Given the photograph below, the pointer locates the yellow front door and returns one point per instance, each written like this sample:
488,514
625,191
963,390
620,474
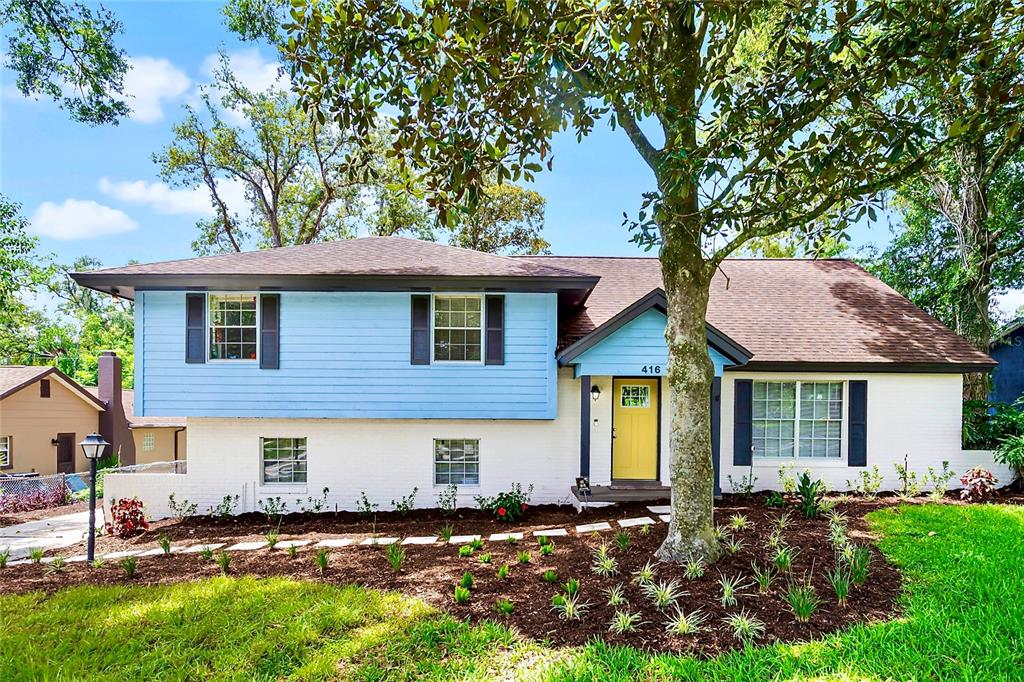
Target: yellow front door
635,429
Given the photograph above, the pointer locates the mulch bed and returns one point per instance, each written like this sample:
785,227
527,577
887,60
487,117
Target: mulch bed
37,514
431,571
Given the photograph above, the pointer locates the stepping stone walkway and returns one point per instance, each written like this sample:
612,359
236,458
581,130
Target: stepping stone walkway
665,517
592,527
550,533
638,521
660,509
195,549
424,540
379,541
462,539
285,544
121,555
78,558
155,551
498,537
248,546
335,542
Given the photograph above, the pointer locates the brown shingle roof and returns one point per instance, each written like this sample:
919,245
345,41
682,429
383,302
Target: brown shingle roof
128,404
13,378
786,311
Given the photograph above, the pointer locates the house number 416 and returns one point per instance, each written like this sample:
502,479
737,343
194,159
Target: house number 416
650,369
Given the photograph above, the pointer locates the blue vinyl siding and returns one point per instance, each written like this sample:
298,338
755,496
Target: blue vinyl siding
1008,376
630,349
346,355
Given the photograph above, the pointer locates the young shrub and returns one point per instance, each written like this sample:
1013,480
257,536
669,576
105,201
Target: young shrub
786,479
364,507
663,594
446,531
396,556
503,571
485,558
743,486
909,487
523,557
645,574
206,553
738,522
5,556
624,622
733,545
129,564
465,551
616,595
809,494
57,565
293,551
549,576
622,540
683,623
180,510
225,508
35,554
867,484
860,564
510,505
979,485
548,549
224,561
128,518
165,544
731,589
272,539
504,606
466,580
764,577
803,600
939,480
570,607
461,595
694,568
476,543
447,499
839,579
774,499
604,563
322,559
746,628
273,508
406,504
783,558
571,586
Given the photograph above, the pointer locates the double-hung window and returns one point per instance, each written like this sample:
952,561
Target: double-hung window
5,451
456,462
284,460
458,328
233,326
798,419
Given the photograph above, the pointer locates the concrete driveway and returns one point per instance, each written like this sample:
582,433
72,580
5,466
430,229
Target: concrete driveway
52,533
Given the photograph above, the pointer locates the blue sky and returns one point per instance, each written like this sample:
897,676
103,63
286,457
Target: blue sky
95,190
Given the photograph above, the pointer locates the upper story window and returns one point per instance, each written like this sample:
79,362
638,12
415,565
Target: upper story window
44,388
798,418
458,328
233,326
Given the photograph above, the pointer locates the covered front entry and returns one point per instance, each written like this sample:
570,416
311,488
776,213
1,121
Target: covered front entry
635,429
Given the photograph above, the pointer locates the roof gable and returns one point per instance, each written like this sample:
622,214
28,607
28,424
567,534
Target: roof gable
14,378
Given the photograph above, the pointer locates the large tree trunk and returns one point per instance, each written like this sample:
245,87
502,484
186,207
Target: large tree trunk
690,374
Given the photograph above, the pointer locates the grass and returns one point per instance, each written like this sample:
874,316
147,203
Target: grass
963,612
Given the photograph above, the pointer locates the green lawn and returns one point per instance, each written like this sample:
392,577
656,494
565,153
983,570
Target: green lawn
964,618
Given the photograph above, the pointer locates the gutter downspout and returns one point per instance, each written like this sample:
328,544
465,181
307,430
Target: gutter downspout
176,432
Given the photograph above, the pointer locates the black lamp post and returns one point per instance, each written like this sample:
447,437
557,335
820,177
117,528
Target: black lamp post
93,447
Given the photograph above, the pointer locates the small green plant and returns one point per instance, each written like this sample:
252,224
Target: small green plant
504,606
782,523
57,565
786,479
35,554
462,595
129,564
224,561
396,556
720,533
549,576
548,549
556,599
616,595
909,485
624,621
293,551
663,594
571,586
510,505
803,600
774,499
731,589
764,577
447,499
274,508
225,508
364,507
180,510
860,564
738,522
206,553
746,628
165,544
272,538
523,557
939,481
503,571
604,563
97,563
466,580
485,558
5,556
406,503
511,540
809,494
465,551
775,540
322,559
446,531
645,529
476,543
543,540
694,568
744,485
867,483
784,558
839,580
645,574
569,607
686,623
733,545
622,540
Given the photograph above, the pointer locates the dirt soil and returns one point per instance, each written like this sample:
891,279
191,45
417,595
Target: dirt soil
36,514
431,571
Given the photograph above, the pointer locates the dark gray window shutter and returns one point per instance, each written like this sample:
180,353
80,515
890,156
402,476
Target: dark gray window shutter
195,328
742,424
495,329
270,331
419,344
857,455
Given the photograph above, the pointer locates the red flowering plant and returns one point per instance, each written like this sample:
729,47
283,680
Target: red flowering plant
128,518
979,485
510,505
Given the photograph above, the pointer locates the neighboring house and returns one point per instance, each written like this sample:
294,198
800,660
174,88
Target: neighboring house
378,365
1008,351
44,415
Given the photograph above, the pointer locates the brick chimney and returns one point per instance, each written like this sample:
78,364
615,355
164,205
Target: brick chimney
113,422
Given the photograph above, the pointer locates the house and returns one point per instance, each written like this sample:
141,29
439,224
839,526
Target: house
1008,351
380,365
44,415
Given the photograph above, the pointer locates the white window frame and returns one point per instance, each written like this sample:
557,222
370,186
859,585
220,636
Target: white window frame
434,463
263,462
5,448
646,389
209,313
148,442
796,456
483,329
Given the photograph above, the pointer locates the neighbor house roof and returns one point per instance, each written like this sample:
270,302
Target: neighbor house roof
134,422
788,313
13,378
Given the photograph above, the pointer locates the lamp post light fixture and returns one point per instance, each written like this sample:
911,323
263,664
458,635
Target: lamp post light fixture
93,447
595,392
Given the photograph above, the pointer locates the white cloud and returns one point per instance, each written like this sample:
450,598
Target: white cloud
1010,302
151,83
249,66
159,196
78,219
